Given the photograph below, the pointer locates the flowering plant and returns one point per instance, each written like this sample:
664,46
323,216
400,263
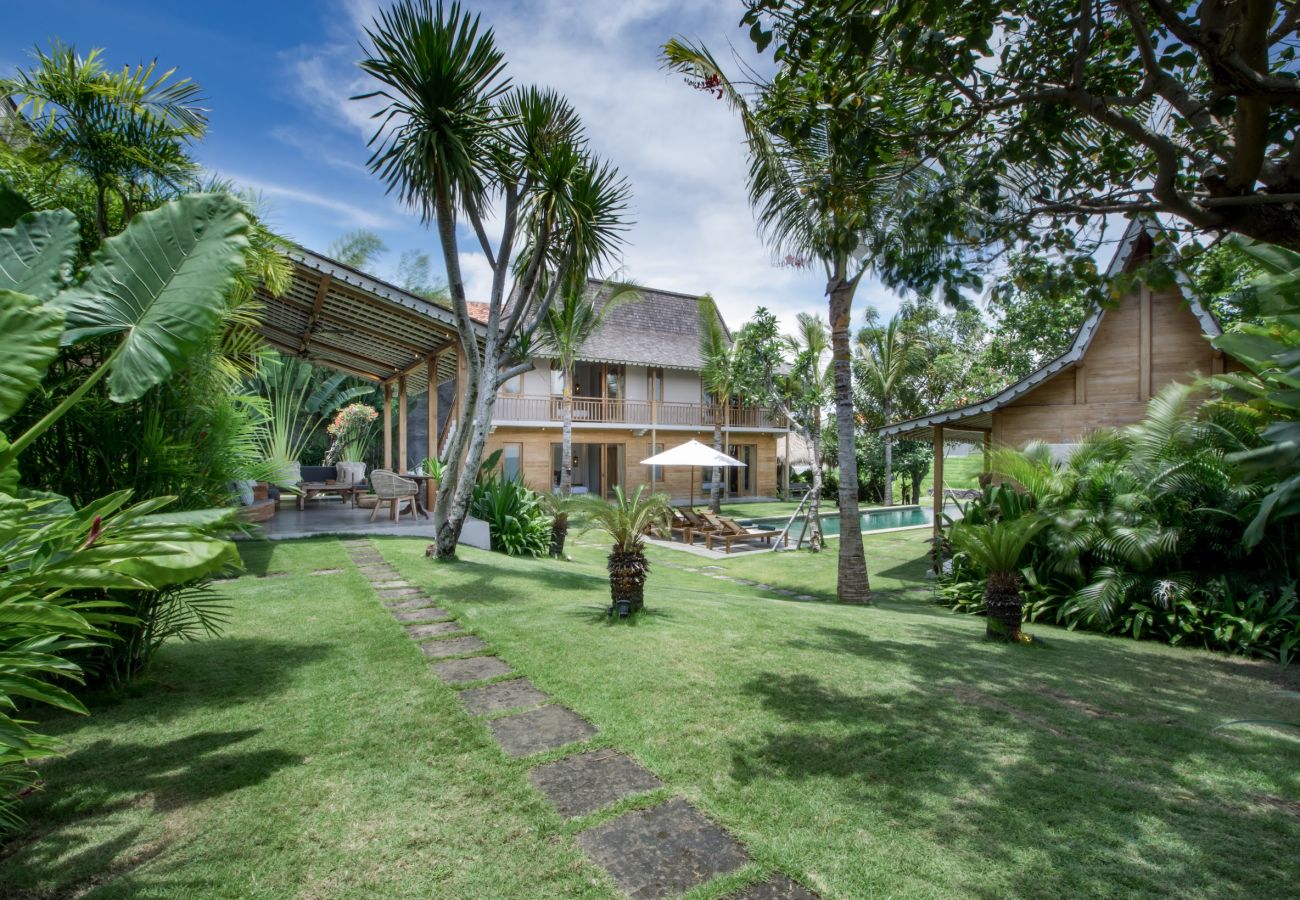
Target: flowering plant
351,430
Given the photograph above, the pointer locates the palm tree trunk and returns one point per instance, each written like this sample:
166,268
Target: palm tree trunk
1003,606
852,585
715,490
815,537
566,442
889,458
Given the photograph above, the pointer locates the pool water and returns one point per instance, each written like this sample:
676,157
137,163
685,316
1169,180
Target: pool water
873,520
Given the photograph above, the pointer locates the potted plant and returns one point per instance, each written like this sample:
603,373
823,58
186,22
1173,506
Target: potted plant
996,548
626,520
352,429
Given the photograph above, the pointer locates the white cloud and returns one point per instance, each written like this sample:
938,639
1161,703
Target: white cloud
350,215
477,275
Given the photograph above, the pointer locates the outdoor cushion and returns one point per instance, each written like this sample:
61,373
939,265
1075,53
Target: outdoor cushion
319,473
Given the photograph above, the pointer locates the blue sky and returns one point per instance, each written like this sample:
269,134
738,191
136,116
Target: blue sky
277,76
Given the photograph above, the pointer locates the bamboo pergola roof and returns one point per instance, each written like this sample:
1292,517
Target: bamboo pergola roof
337,316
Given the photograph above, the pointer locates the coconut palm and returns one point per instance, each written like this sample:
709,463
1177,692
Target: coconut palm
452,140
720,376
626,520
567,325
887,356
808,387
825,192
127,131
997,549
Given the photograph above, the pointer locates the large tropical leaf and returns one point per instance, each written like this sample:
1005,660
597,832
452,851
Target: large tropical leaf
13,206
180,561
161,283
29,341
36,251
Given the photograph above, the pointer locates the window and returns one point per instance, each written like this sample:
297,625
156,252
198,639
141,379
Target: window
654,385
557,380
512,461
614,378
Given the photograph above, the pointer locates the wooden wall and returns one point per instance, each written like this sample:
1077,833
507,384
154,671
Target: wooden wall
536,450
1148,341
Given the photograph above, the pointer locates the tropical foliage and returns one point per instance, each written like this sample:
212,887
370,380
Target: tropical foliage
518,522
627,521
152,295
351,430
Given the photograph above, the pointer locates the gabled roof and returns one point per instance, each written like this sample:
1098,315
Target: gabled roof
661,329
977,415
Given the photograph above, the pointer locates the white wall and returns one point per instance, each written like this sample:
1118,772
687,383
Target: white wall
681,387
636,386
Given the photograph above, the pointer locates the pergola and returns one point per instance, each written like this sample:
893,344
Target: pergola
336,316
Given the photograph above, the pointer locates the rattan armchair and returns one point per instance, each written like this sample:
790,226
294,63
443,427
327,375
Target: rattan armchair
398,492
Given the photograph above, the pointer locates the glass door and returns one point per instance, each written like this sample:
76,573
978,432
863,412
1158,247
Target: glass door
741,481
613,470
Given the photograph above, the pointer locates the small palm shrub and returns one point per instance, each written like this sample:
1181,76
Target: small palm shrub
997,550
517,523
559,508
626,520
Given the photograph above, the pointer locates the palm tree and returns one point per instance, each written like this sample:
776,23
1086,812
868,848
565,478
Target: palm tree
826,192
808,386
454,139
720,377
626,520
997,548
127,131
887,357
568,325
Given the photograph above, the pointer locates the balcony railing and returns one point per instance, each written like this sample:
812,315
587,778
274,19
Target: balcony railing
525,408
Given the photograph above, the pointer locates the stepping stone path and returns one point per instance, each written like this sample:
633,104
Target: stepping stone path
662,851
582,784
457,646
517,694
658,852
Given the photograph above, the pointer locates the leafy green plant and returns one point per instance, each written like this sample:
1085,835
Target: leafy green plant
433,467
157,289
627,520
998,550
517,523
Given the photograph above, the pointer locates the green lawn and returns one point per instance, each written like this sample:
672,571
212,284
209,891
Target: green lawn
883,751
958,472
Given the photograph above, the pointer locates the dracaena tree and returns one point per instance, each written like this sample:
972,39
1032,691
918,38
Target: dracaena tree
455,140
830,190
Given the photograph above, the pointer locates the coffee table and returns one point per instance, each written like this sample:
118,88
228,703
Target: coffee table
309,489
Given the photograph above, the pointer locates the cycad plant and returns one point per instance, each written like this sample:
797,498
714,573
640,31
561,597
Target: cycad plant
997,549
559,507
626,520
567,325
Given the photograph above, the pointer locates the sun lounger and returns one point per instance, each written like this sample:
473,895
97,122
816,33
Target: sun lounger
728,531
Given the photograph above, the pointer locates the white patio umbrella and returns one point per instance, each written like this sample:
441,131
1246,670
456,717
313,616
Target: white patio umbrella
695,455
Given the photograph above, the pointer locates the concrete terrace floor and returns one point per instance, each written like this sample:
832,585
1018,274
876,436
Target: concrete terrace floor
333,516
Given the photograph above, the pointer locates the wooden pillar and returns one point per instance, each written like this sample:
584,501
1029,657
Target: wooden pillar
785,469
1144,345
388,426
654,432
401,423
938,486
431,417
987,447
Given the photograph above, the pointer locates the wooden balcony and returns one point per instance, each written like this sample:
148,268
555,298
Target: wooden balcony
664,413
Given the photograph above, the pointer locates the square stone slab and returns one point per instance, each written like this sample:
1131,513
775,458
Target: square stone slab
368,559
327,571
388,584
662,851
517,694
400,593
778,887
457,646
413,603
420,632
420,615
476,668
379,573
542,729
584,783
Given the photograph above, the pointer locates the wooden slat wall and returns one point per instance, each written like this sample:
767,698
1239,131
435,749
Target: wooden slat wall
537,457
1111,387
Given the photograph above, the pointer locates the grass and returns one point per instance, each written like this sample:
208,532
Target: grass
884,751
958,472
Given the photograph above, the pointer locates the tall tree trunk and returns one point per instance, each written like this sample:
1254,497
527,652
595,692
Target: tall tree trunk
566,442
889,458
815,537
715,490
480,425
852,584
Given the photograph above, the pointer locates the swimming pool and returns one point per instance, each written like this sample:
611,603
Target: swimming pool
872,520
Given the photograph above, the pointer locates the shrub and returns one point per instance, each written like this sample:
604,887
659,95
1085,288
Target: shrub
517,522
